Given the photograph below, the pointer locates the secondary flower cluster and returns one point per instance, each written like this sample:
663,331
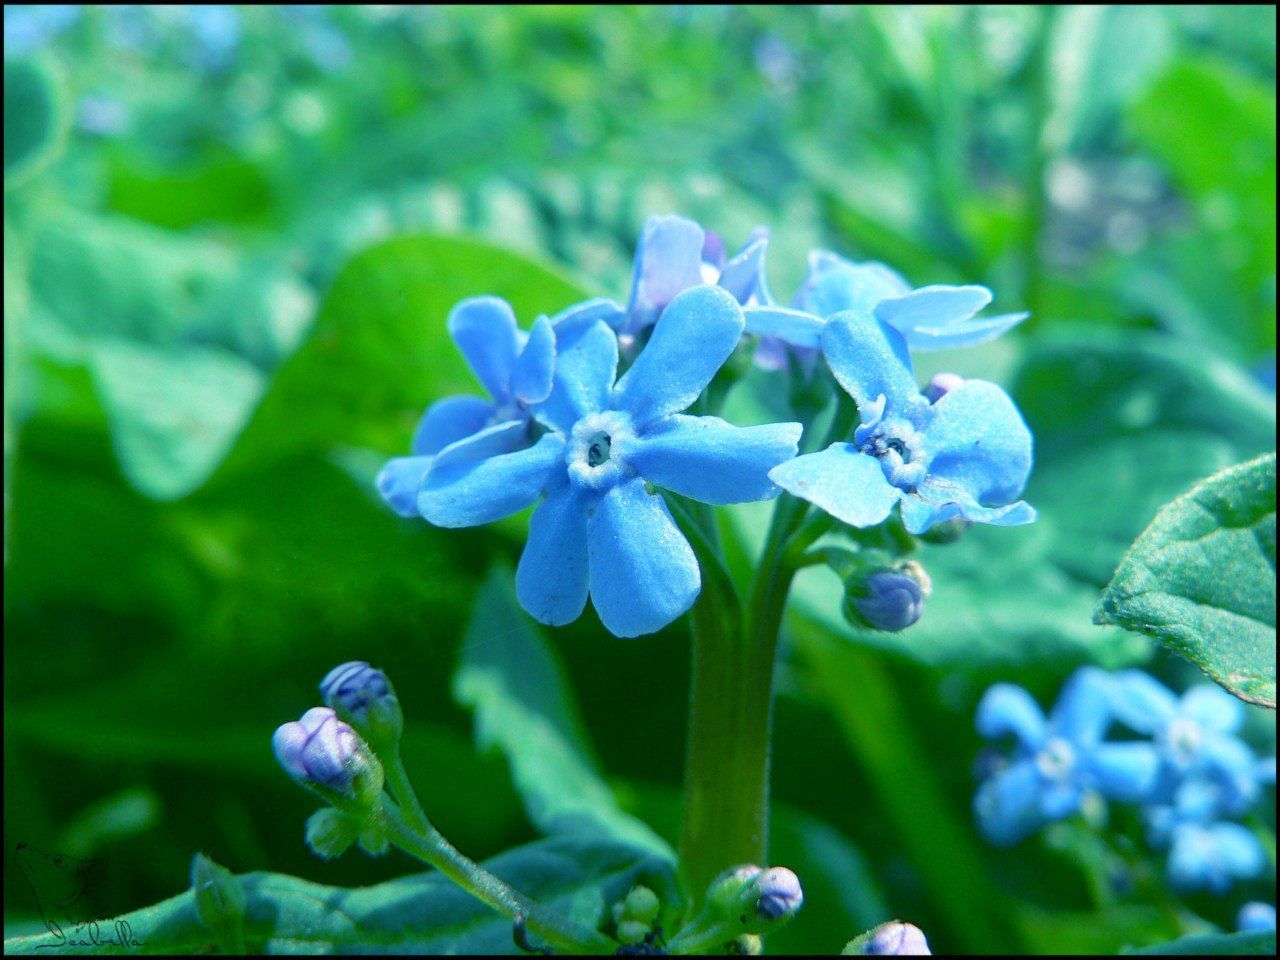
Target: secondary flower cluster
586,419
1191,773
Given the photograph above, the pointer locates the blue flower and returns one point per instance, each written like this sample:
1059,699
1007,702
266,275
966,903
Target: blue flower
513,366
600,530
1056,760
967,455
1256,916
1213,856
675,254
937,317
1195,737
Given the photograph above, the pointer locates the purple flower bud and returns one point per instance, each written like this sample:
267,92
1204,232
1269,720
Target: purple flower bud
892,939
889,600
322,751
363,696
941,385
780,893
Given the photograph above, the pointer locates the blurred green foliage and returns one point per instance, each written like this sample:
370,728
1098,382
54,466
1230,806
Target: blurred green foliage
228,258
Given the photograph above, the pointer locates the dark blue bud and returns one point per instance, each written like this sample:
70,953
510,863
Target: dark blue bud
779,893
364,697
889,600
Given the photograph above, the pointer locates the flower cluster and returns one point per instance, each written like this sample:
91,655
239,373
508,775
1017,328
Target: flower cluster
587,420
1189,771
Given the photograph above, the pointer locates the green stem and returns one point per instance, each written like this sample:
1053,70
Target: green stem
402,790
429,846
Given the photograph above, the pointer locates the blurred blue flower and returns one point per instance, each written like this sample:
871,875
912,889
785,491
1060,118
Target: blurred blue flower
216,29
600,530
1256,916
1056,760
29,27
1195,736
675,254
1213,856
937,317
968,455
513,366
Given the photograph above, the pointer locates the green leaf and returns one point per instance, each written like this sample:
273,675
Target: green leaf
1201,579
515,684
1218,945
420,914
35,118
379,352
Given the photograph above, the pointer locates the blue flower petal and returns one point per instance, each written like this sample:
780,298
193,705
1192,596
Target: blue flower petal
643,572
468,492
968,333
574,321
583,378
710,460
980,444
489,442
1083,711
936,306
835,285
870,360
668,262
531,378
551,579
1008,709
1058,801
1124,771
690,342
1008,804
1213,708
795,327
485,330
843,481
1142,702
398,483
743,276
448,421
919,513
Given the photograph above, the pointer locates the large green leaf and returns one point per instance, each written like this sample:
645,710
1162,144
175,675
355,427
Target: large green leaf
35,118
423,913
379,352
1218,945
1201,579
514,683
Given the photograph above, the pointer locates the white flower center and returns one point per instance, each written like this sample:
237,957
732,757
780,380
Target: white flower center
1184,737
592,453
1056,759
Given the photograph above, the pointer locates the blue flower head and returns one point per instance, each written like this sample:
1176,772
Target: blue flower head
1213,856
1056,759
1256,917
968,455
513,366
600,530
675,254
1195,737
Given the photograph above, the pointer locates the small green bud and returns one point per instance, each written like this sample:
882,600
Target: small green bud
220,900
732,894
946,531
330,832
373,838
642,904
747,945
632,931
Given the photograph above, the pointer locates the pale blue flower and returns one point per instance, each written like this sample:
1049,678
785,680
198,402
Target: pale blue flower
937,317
968,455
515,368
1057,759
1213,856
600,530
1256,917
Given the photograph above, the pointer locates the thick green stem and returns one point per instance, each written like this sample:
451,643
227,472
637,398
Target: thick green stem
429,846
402,790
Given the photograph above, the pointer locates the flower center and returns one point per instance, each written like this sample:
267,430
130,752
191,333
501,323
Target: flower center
899,447
1056,759
594,444
1184,737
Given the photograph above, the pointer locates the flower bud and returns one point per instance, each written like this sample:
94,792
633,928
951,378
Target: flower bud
330,832
941,385
733,893
747,945
642,904
220,900
889,600
632,931
327,755
779,893
946,531
892,939
363,697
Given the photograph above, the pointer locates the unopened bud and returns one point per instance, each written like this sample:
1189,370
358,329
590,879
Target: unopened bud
941,385
733,893
642,904
779,894
747,945
220,900
330,832
632,931
363,697
892,939
946,531
326,754
889,600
